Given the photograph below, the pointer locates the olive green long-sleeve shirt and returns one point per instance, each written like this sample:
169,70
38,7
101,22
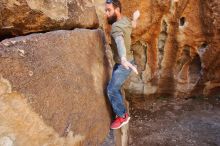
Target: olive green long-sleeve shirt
122,27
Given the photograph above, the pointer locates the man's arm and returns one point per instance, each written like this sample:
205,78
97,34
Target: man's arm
122,53
119,40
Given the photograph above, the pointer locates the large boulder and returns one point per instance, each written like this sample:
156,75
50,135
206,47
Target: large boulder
63,75
19,17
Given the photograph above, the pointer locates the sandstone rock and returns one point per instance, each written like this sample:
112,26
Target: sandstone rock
182,43
23,126
63,76
6,141
20,17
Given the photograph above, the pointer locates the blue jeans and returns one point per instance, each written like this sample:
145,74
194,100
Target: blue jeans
119,75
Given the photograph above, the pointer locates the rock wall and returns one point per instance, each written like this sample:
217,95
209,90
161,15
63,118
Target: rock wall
176,47
19,17
56,81
19,125
62,75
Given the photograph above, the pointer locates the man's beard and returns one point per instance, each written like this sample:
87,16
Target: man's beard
112,19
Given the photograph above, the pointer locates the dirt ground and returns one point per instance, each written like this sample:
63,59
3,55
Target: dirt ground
174,122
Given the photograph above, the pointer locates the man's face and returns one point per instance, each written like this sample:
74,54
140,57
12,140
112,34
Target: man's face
110,14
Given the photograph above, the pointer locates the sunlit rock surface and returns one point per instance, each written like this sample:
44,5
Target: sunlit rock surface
62,75
19,17
176,47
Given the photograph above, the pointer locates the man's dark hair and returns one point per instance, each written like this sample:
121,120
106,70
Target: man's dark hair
116,3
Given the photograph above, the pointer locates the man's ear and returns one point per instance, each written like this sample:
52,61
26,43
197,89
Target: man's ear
118,10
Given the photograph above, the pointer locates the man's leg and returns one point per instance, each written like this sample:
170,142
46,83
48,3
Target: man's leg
119,76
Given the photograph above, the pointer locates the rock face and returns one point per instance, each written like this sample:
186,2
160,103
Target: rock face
19,17
176,47
53,84
62,75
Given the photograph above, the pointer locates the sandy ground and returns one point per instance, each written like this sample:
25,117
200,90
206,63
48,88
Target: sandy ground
175,122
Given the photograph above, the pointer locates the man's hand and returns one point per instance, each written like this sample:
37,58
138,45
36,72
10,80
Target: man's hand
128,65
136,15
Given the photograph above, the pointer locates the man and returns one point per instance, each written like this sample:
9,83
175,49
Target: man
123,57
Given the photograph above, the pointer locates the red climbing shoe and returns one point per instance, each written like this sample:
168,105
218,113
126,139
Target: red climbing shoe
120,121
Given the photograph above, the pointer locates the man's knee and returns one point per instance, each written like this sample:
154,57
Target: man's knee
111,90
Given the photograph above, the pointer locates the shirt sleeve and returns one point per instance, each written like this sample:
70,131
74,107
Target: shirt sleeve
120,46
116,31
